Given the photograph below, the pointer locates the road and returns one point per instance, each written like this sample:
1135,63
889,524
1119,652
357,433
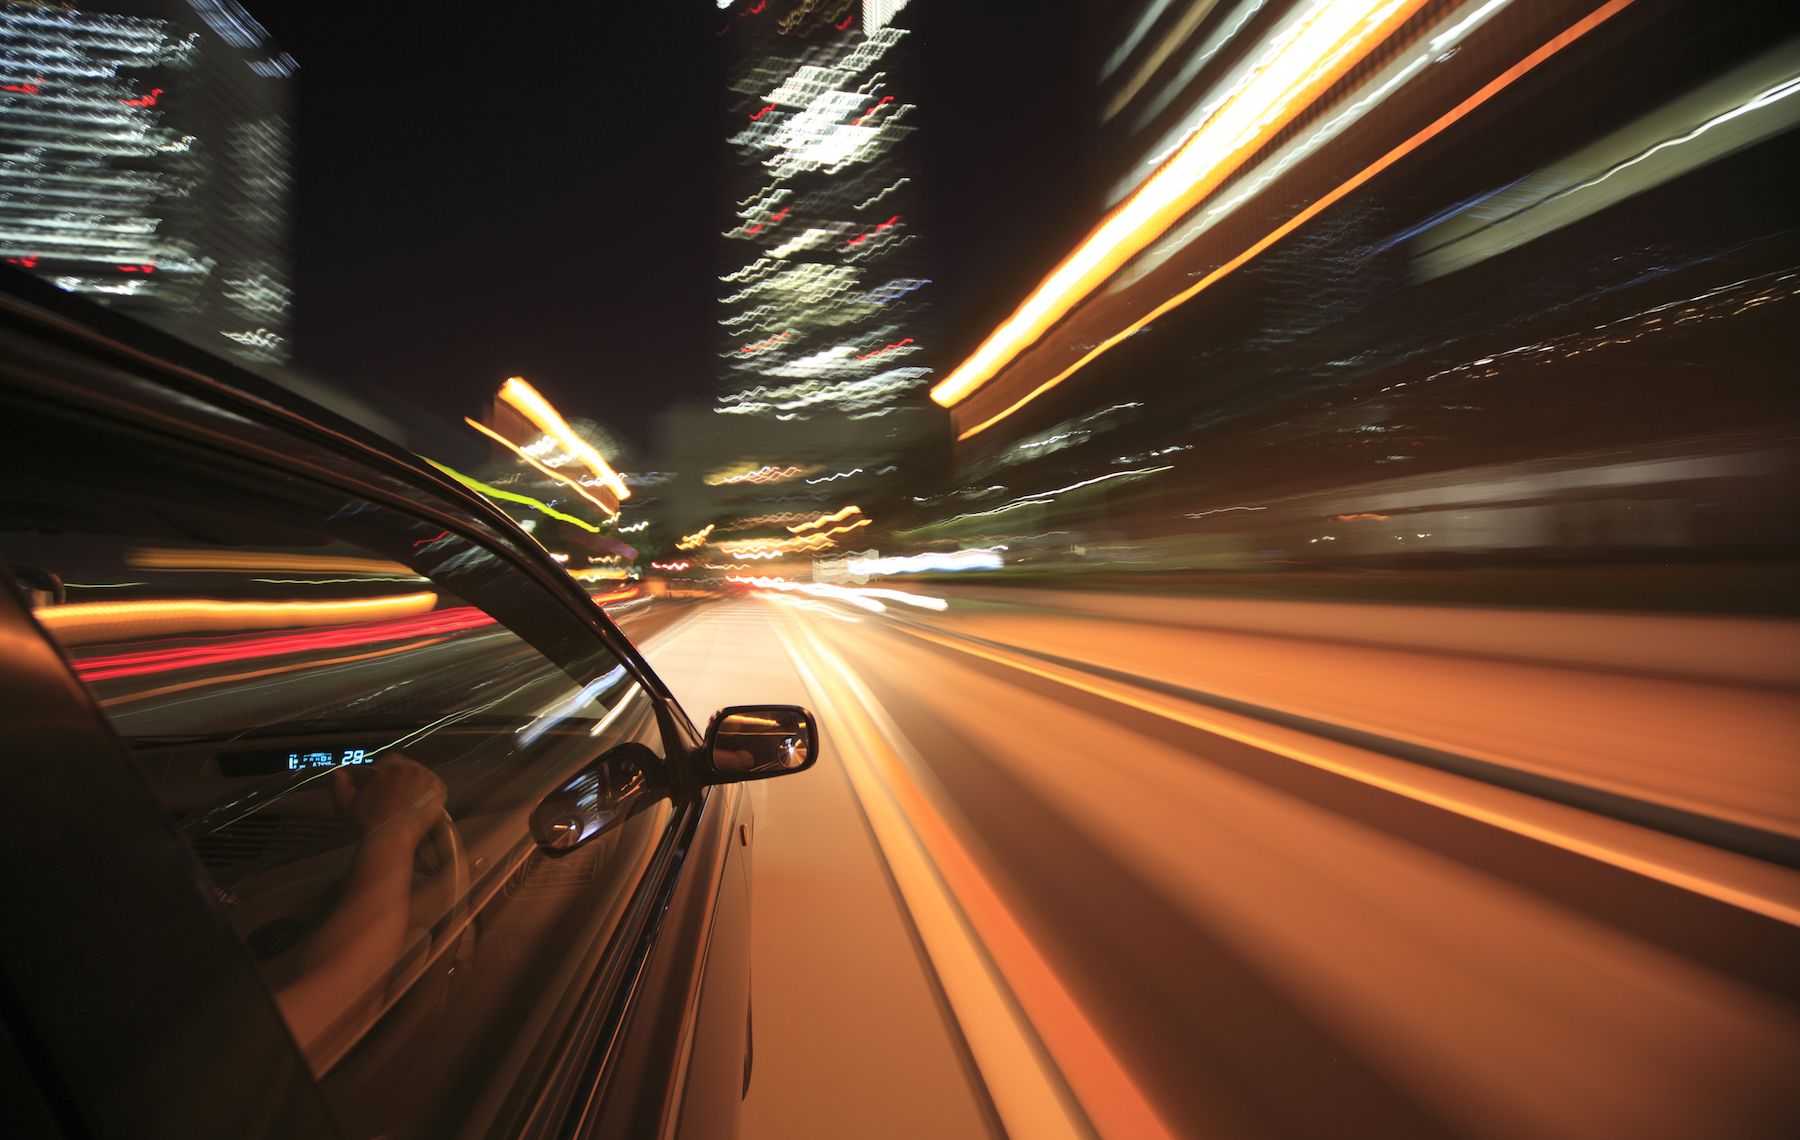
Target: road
1137,868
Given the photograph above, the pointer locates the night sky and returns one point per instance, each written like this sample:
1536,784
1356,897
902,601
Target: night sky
533,190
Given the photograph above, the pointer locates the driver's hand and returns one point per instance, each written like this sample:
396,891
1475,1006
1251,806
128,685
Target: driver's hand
396,797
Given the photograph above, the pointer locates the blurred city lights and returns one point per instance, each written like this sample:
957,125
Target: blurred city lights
988,559
573,484
823,519
532,406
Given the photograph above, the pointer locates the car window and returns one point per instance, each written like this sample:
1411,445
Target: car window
303,676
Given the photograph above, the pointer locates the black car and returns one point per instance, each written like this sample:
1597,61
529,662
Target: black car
333,806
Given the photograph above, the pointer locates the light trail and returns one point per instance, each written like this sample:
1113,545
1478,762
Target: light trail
574,484
535,408
1321,47
1505,79
85,623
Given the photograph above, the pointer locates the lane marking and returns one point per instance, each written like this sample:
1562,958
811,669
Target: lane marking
1030,1038
1463,804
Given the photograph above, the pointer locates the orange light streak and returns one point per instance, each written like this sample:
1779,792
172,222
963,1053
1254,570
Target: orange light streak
1331,41
158,558
87,622
823,519
1505,79
538,410
611,512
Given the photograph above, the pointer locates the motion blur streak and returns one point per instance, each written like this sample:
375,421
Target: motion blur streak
838,516
1327,43
128,664
1580,28
513,497
919,563
1032,1102
153,558
862,598
535,408
1199,911
84,623
573,484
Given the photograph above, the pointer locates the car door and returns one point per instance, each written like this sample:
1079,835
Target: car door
268,625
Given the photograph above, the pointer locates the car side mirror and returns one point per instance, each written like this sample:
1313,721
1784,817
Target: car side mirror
594,800
754,742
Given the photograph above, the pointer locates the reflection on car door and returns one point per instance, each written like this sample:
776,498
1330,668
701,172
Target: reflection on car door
253,637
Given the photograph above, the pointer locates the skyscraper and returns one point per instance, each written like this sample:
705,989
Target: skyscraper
824,334
145,162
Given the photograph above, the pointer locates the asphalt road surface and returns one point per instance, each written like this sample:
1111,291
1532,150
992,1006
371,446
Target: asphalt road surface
1140,868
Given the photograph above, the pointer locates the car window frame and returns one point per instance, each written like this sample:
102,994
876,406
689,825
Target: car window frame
50,360
120,382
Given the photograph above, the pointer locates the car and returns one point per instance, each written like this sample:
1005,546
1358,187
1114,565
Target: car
334,807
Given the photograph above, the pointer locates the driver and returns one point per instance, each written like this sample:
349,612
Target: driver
394,804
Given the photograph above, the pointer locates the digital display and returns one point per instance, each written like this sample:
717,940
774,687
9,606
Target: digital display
269,761
299,760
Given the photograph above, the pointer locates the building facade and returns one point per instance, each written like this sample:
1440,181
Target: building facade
825,335
145,162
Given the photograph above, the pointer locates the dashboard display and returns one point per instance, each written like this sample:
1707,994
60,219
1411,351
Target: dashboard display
269,761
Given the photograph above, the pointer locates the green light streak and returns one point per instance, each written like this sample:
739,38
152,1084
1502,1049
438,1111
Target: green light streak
481,488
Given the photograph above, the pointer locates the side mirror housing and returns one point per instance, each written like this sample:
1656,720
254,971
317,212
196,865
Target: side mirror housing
754,742
594,800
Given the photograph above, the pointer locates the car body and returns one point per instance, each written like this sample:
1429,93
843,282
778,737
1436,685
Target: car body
228,615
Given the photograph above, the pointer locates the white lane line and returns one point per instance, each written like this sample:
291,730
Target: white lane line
1739,880
1050,1074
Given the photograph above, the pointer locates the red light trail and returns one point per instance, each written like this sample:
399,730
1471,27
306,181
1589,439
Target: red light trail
761,113
190,656
145,100
886,99
23,89
879,351
763,344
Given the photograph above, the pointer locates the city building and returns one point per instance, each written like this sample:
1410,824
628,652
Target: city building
825,330
145,162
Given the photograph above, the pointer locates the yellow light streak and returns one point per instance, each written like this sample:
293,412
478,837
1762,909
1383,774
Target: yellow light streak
770,547
479,487
87,622
538,410
610,512
1574,32
157,558
1317,52
695,539
823,519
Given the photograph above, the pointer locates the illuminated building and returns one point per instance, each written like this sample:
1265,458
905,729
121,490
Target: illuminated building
145,162
825,340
